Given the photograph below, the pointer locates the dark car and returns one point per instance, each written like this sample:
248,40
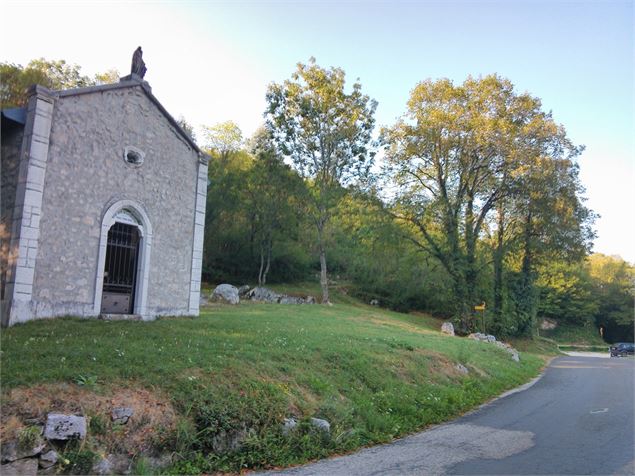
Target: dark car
622,349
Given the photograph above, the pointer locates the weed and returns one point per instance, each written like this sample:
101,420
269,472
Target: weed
89,381
29,436
78,461
97,425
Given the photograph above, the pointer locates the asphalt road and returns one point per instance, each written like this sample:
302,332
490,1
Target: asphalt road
577,419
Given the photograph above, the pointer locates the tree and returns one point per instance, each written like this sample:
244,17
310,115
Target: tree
326,133
456,156
56,74
614,289
274,192
223,138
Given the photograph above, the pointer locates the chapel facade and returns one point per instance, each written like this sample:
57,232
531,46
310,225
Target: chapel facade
102,206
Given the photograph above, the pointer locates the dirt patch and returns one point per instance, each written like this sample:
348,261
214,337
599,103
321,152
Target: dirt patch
153,412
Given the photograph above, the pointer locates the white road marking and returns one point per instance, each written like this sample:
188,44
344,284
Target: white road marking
603,410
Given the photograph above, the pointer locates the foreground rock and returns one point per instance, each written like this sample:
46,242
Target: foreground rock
121,415
48,459
64,427
226,293
12,450
26,467
447,328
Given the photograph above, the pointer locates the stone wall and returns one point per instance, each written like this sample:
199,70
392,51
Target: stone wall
86,172
10,153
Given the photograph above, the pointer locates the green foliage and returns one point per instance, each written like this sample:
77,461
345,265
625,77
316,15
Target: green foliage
55,74
326,133
28,437
78,460
97,425
86,380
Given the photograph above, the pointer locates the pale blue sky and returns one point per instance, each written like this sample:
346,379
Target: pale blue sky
212,61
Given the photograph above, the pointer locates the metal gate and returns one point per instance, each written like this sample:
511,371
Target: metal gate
120,270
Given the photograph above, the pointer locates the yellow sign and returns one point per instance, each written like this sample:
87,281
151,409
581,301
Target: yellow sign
480,307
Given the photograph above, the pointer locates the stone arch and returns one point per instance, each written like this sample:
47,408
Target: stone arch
131,213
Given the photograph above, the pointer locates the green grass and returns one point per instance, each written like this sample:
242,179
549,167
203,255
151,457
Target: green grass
374,374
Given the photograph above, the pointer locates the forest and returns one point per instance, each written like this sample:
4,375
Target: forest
472,198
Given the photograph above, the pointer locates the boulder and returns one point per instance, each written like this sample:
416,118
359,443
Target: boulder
243,290
548,324
374,302
492,340
321,424
225,293
64,427
12,450
447,328
121,415
48,459
22,467
229,440
289,425
462,369
291,300
263,295
310,300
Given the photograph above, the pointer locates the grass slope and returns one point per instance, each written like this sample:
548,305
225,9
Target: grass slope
374,374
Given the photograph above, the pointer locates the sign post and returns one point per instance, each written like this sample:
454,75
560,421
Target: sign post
481,308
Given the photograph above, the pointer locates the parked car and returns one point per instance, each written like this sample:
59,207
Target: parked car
622,349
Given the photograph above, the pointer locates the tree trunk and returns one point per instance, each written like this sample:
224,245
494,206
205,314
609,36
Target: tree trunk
264,275
324,283
262,265
498,266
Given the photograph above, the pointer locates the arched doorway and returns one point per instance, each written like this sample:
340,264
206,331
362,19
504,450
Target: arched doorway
123,265
120,269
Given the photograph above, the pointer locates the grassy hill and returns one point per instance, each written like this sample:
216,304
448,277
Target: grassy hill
236,372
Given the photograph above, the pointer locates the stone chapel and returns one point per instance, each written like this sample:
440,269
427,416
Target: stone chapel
102,205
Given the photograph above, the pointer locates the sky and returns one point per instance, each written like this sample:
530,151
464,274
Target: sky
211,61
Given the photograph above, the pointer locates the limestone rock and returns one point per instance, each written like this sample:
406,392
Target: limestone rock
121,415
12,451
374,302
64,427
48,459
447,328
310,300
321,424
289,425
548,324
226,293
22,467
229,440
243,290
291,300
462,368
263,295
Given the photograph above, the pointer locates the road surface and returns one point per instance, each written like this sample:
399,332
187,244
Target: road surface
577,419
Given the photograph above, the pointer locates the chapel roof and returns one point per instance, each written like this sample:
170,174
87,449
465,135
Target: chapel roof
132,81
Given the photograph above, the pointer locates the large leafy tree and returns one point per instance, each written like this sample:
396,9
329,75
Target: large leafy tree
223,139
325,132
460,153
53,74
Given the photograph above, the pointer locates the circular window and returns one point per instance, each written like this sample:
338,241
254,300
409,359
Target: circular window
133,156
